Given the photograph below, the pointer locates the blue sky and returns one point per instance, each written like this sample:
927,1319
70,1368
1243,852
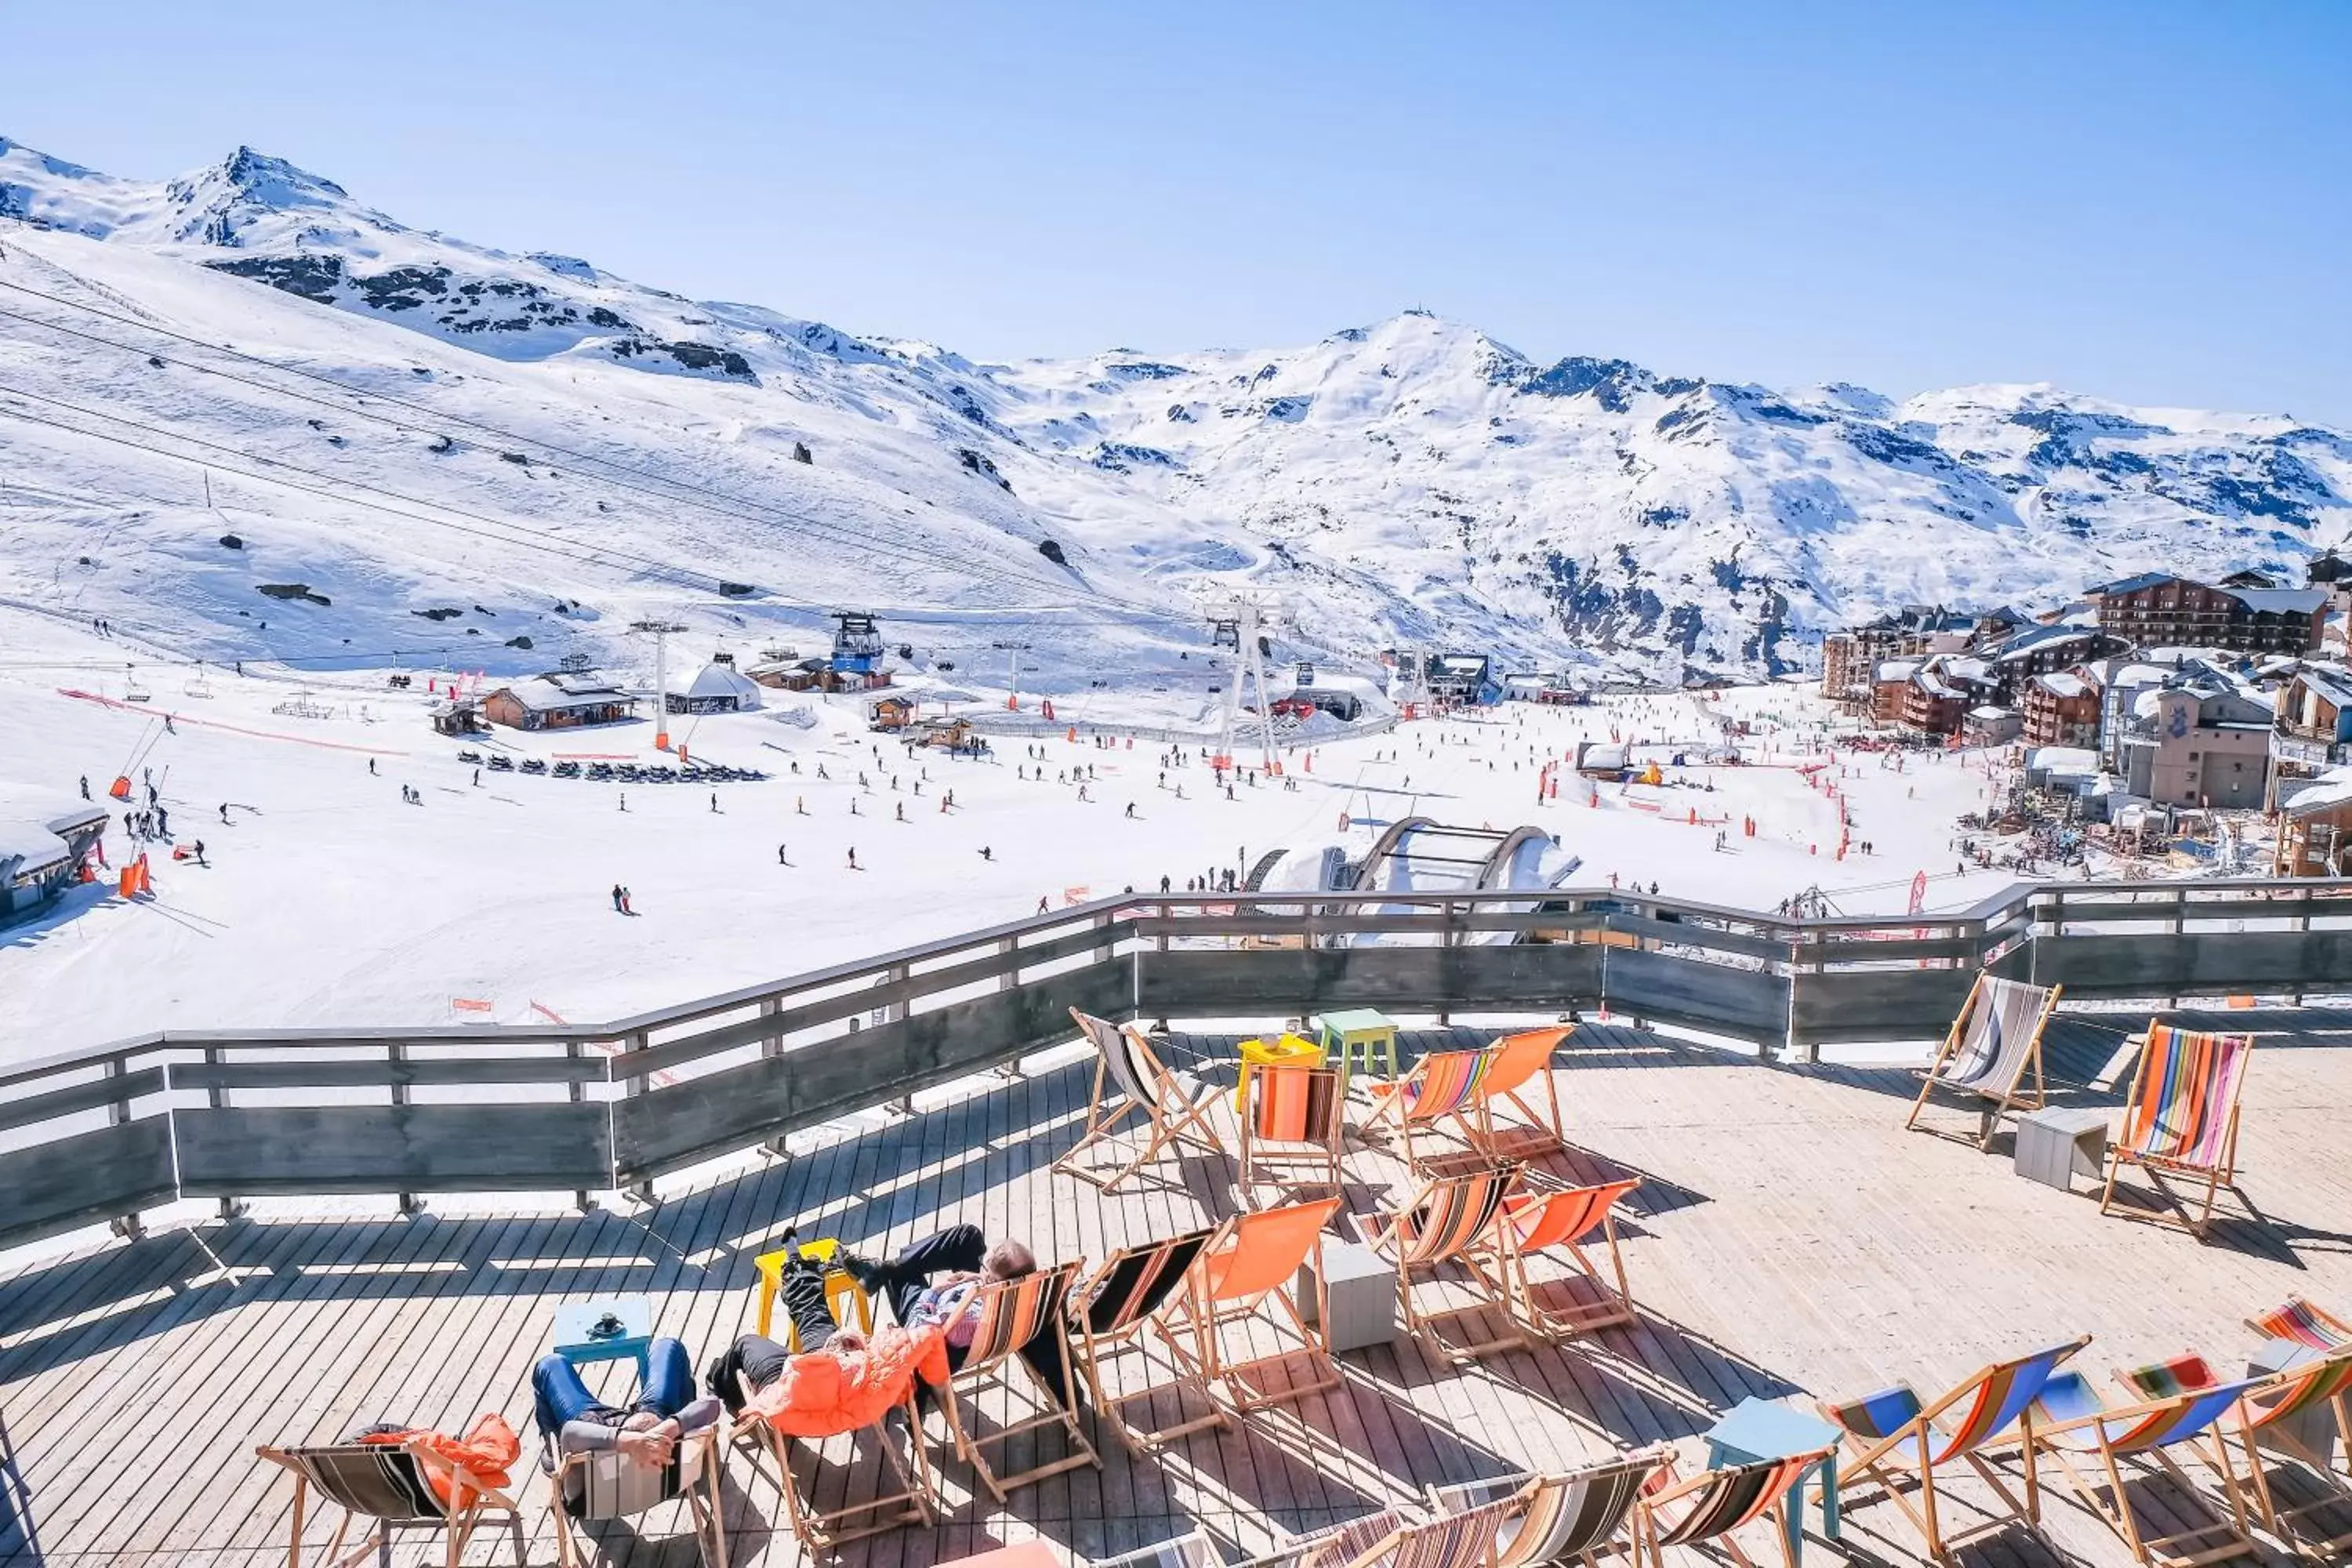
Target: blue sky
2147,202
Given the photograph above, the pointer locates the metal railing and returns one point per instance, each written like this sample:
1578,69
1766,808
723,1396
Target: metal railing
101,1134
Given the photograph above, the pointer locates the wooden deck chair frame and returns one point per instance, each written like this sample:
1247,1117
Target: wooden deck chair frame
1203,1317
1466,1538
1579,1215
820,1530
2182,1549
1464,1211
458,1525
1161,1273
1278,1088
1131,1080
1723,1501
1882,1458
1193,1549
1569,1515
2006,1098
1392,1101
1545,1130
2218,1172
2274,1402
1012,1312
699,1465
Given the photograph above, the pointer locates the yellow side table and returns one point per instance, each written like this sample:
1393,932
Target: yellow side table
840,1289
1283,1050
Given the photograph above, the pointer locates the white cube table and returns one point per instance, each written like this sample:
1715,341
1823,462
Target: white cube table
1362,1287
2055,1145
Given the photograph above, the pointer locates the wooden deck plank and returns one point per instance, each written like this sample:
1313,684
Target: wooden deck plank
1790,1238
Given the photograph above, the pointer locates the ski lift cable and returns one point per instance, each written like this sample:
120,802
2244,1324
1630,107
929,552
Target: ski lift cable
729,507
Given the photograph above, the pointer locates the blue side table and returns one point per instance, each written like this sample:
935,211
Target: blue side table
1758,1429
577,1341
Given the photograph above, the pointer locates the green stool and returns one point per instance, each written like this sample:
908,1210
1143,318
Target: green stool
1359,1031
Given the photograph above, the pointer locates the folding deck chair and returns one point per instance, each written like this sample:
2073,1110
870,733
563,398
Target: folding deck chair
1254,1258
1566,1220
1193,1549
1993,1043
2068,1420
1891,1431
615,1486
1465,1538
1445,1222
1711,1505
1301,1110
2301,1323
2180,1120
391,1487
1131,1080
1517,1063
1121,1307
1566,1518
1012,1314
821,1530
1442,1087
2269,1410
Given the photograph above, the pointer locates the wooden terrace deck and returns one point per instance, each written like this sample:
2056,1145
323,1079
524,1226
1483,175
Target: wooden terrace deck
1790,1238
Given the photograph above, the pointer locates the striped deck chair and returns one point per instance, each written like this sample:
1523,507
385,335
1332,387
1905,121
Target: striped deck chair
1254,1259
2180,1119
1131,1080
391,1487
1448,1222
821,1530
1986,1054
1566,1221
2069,1422
1122,1308
1568,1518
615,1486
1193,1549
2269,1410
1442,1087
1516,1065
1464,1538
1012,1314
1711,1505
1302,1111
2301,1322
1890,1431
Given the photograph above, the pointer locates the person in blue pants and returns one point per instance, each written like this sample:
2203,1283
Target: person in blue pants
572,1420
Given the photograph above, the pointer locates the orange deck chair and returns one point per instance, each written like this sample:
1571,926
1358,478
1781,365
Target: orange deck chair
1565,1221
1516,1065
1254,1259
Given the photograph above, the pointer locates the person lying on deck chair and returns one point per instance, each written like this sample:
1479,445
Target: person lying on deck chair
573,1421
936,1280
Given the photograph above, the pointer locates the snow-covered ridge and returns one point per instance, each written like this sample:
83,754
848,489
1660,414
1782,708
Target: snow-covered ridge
1413,479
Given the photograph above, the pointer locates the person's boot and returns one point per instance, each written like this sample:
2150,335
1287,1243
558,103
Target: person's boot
865,1270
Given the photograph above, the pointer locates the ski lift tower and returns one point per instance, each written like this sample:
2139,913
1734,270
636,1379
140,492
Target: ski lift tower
661,632
1408,688
1243,624
856,643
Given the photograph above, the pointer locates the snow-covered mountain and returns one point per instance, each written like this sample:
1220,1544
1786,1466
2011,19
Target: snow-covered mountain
550,449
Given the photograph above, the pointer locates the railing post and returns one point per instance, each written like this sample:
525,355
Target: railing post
576,1092
1447,936
129,1227
642,1190
395,1054
773,1046
231,1206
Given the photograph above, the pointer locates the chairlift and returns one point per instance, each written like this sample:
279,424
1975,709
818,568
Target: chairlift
198,687
131,690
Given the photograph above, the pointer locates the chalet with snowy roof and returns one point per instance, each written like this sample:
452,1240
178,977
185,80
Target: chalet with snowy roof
2313,733
44,838
2043,650
719,687
2062,709
2158,609
1849,658
559,700
1461,676
1990,724
2315,832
